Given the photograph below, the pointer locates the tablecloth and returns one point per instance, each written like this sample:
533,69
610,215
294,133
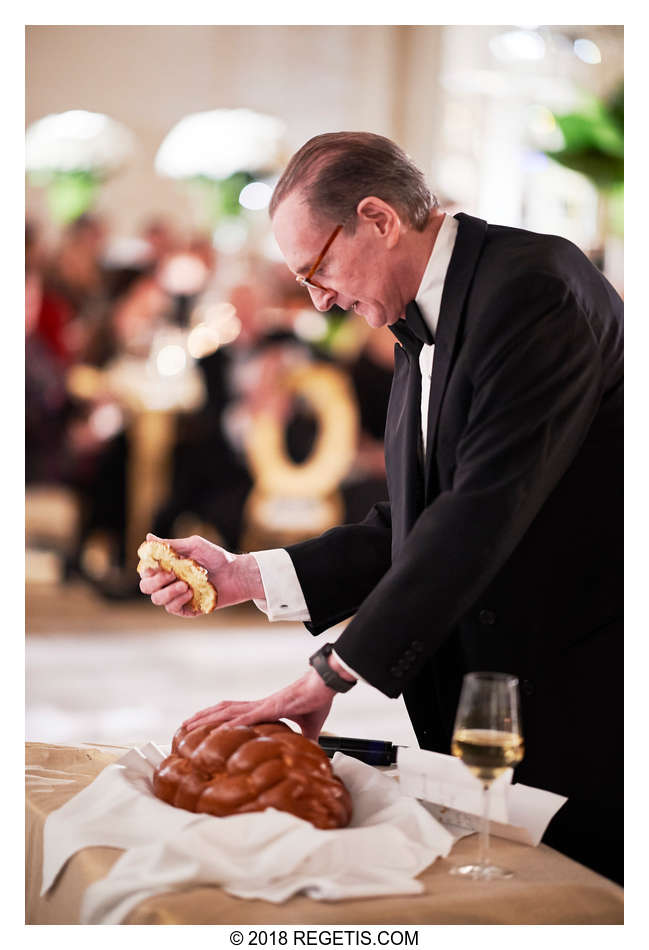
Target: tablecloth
548,888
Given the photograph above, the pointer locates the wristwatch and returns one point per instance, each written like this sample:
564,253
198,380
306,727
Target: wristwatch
320,663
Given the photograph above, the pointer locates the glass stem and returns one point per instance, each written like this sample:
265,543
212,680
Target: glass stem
484,826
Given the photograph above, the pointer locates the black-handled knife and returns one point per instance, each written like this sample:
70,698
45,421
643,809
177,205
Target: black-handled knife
371,751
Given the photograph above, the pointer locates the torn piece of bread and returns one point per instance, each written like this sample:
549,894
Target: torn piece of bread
156,554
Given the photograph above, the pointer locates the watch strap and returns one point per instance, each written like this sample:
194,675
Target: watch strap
320,663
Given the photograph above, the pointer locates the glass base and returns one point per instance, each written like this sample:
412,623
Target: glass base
481,872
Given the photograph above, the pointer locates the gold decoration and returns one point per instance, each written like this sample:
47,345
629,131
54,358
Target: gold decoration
292,501
329,393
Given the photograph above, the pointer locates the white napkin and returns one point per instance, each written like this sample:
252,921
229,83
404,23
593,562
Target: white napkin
270,855
445,780
454,796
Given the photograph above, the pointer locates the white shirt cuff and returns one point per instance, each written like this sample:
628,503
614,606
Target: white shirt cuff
346,666
284,597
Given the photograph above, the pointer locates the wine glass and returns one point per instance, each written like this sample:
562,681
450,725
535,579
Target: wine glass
487,737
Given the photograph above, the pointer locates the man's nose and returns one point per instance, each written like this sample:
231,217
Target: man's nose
322,300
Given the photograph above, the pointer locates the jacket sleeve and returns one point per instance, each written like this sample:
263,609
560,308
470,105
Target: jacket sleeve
339,569
537,382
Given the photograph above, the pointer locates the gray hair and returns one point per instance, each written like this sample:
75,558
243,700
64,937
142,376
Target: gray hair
336,170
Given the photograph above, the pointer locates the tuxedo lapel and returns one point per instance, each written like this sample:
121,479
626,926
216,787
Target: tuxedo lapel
468,245
408,489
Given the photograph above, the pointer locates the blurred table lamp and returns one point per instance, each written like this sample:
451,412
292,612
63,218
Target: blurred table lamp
222,157
71,154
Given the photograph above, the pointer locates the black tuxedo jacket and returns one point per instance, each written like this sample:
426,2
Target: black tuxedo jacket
508,556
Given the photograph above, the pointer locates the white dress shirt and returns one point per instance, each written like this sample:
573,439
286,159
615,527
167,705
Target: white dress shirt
284,597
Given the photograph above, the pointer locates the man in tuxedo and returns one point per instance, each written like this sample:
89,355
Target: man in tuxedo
500,545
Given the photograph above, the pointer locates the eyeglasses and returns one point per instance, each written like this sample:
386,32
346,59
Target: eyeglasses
307,281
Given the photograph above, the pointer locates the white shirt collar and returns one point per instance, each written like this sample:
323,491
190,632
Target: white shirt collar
429,294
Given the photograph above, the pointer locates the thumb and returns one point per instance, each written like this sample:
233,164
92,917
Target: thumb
180,545
311,723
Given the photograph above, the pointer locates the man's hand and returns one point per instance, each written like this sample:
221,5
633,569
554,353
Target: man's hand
306,702
236,577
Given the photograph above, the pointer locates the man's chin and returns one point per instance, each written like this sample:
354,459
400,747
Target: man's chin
375,320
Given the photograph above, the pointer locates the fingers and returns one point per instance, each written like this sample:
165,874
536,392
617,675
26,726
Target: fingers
255,713
306,702
192,721
165,596
152,581
167,591
311,723
216,715
179,606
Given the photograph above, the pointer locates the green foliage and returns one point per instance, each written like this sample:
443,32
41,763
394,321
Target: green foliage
594,141
616,210
70,194
221,196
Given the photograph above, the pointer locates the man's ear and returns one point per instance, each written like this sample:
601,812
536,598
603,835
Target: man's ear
381,216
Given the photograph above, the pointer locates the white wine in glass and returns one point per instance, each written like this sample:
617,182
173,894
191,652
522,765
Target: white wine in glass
488,739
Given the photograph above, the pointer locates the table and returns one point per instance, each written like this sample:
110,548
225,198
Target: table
548,888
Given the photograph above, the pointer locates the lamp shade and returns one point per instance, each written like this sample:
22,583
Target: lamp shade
77,141
217,144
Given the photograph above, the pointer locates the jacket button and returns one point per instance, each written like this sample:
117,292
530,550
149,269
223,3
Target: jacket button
528,688
410,655
487,617
417,645
397,671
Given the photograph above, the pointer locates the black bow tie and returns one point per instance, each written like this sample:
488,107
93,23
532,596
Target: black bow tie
412,332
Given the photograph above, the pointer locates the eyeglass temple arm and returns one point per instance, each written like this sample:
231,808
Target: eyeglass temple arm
322,253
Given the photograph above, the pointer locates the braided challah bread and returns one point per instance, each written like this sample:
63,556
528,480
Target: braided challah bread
230,770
